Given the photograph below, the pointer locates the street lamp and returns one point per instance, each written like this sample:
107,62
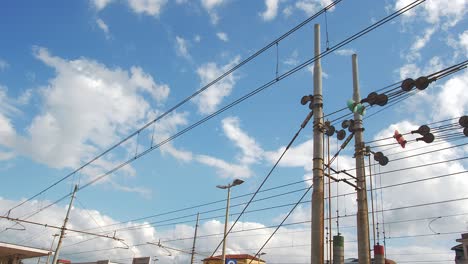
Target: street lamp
228,187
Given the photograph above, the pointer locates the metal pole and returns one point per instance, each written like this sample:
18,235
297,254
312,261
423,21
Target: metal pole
194,240
362,214
226,223
330,257
62,233
51,246
317,195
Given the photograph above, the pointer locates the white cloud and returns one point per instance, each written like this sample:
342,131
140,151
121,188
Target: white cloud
100,4
3,64
149,7
419,44
452,100
85,107
436,12
293,60
103,26
409,71
310,7
197,38
345,52
181,47
287,11
210,7
271,10
464,41
209,100
222,36
225,169
311,70
251,151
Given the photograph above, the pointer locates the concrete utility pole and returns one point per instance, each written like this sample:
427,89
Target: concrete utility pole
51,246
194,240
62,233
362,214
317,195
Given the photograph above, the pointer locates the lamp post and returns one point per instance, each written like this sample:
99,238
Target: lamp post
228,187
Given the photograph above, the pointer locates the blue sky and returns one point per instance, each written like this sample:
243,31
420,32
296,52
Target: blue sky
77,77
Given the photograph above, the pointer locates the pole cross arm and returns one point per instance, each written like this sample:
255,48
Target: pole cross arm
343,180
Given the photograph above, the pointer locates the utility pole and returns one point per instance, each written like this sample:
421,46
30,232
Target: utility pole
194,240
51,246
64,227
363,213
317,194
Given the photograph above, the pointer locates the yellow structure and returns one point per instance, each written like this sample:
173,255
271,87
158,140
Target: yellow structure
235,259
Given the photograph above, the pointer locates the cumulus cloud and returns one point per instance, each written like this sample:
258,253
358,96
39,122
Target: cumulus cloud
420,43
103,26
148,7
464,40
85,107
210,6
436,12
222,36
293,60
311,7
100,4
271,10
345,52
209,100
182,47
225,169
251,151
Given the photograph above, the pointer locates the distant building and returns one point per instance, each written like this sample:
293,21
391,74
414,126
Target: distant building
235,259
461,250
143,260
13,254
355,261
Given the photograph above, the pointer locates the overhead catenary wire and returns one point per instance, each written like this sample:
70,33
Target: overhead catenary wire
219,78
284,75
336,196
386,172
349,215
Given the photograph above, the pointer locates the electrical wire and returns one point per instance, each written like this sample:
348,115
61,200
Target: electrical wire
219,78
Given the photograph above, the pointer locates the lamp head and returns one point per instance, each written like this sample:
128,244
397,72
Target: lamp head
237,182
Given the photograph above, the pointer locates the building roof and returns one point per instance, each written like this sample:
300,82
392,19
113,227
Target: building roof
22,252
235,256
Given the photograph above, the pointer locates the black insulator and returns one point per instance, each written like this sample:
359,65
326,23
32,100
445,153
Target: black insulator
422,82
330,130
407,85
370,99
306,98
383,161
428,138
341,134
345,123
463,121
378,156
382,99
422,130
351,126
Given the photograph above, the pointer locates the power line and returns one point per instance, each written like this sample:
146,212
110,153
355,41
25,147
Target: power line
222,76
